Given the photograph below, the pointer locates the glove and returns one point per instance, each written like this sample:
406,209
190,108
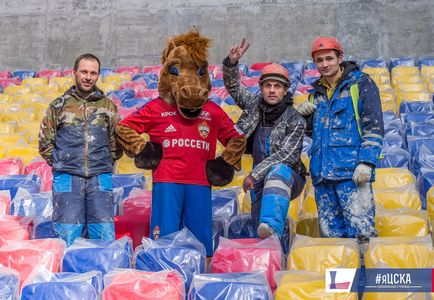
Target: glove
362,174
149,158
248,183
306,108
219,172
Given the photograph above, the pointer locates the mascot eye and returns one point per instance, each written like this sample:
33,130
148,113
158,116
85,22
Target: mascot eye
173,71
201,71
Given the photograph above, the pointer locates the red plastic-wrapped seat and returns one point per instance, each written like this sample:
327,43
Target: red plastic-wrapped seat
134,284
248,255
40,168
14,228
49,73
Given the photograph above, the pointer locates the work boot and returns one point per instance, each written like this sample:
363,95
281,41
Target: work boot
264,231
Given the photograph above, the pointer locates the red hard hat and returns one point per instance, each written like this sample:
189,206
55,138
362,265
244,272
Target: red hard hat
275,72
326,43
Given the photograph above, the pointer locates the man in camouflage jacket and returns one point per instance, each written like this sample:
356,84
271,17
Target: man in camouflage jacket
275,130
77,140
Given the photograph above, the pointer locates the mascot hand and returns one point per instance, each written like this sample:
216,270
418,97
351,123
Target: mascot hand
219,172
149,157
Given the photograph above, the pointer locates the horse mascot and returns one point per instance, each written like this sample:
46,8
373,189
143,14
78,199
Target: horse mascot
183,127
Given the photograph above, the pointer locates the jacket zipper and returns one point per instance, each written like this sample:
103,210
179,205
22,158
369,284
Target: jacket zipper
86,146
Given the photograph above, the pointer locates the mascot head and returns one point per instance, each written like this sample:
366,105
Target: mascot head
184,78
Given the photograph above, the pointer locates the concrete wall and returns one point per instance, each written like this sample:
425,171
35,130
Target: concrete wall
45,34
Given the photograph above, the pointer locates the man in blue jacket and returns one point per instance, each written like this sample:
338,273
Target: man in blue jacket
346,123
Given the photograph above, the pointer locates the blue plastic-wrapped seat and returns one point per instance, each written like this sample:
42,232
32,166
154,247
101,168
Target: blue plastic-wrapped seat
224,203
416,106
180,251
71,286
97,255
30,183
9,284
128,182
224,286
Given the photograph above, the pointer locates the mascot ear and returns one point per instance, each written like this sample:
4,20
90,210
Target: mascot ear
169,47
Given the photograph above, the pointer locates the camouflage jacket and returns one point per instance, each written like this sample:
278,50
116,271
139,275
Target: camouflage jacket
286,138
77,135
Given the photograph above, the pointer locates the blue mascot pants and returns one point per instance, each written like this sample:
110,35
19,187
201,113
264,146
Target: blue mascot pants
175,206
271,197
77,201
345,210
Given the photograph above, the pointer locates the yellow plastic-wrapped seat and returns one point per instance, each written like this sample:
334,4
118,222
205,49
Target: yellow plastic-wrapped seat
117,78
233,111
430,203
405,71
376,71
388,100
300,98
294,207
411,87
44,89
16,89
48,97
61,84
24,151
8,127
319,254
125,165
5,98
399,252
108,87
28,98
427,71
401,222
32,83
11,139
380,79
403,197
247,163
413,96
307,286
307,221
386,178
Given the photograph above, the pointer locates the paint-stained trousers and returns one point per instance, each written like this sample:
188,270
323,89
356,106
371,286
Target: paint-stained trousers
345,209
78,201
271,197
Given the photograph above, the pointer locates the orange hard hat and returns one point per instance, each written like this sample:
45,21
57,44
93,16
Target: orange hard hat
275,72
326,43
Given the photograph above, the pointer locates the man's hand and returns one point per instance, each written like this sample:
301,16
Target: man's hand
248,183
362,174
237,51
306,108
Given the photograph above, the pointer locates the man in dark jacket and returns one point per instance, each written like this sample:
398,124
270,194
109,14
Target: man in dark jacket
77,140
276,131
346,122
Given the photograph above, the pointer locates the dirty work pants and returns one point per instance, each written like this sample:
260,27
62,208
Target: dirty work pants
79,201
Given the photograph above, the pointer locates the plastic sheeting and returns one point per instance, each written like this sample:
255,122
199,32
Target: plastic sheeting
14,228
307,286
392,178
401,197
224,203
27,204
25,256
401,222
228,286
128,182
399,252
180,251
5,202
394,157
138,203
12,182
11,166
42,284
319,254
9,284
134,284
97,255
40,168
249,255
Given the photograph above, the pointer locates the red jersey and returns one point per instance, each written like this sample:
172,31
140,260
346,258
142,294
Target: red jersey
187,144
